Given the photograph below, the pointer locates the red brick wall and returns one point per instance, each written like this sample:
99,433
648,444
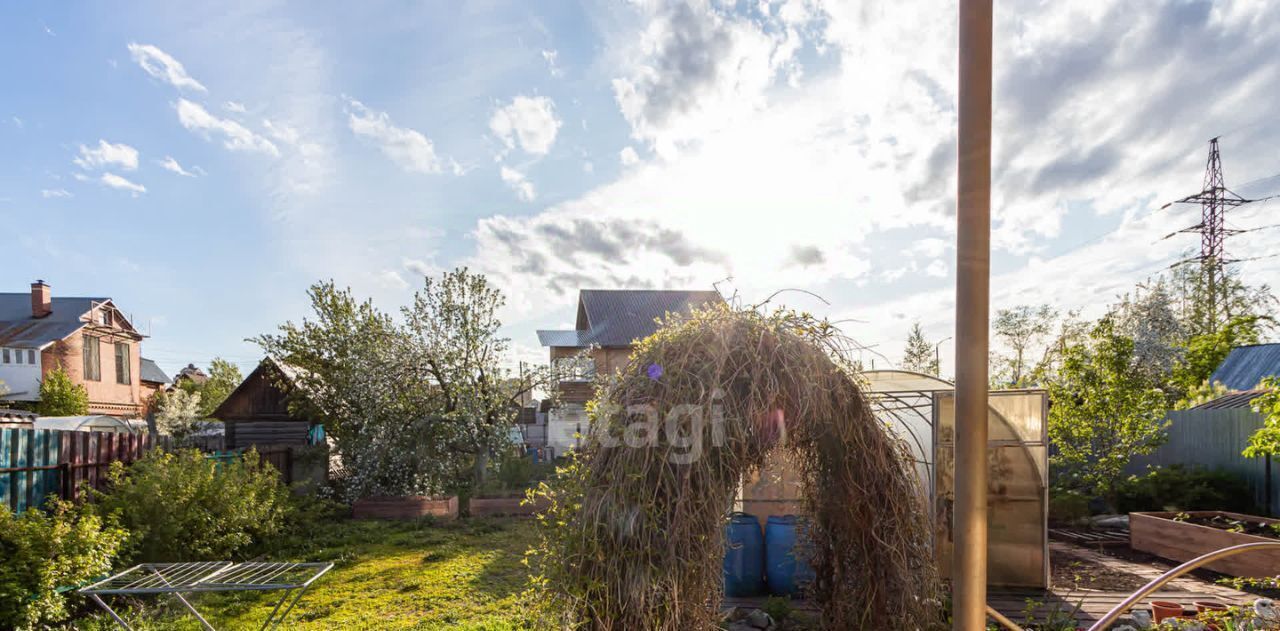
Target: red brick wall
106,396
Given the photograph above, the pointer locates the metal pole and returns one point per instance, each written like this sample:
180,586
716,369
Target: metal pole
973,263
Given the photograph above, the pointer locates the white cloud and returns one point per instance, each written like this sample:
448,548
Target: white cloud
529,122
588,167
697,67
518,183
391,279
235,136
628,156
408,148
55,193
937,268
107,155
419,267
170,164
234,106
163,66
117,182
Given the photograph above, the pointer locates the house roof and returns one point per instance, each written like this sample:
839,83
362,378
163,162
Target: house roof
19,330
619,317
1245,366
1232,401
150,372
288,371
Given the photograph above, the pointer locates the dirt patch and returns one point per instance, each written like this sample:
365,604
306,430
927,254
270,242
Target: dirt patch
1072,572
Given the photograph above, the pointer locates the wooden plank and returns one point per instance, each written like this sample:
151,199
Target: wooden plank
22,450
1159,534
6,460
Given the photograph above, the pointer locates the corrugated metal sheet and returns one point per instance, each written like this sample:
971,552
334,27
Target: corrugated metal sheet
1245,366
1214,439
570,339
1233,401
618,317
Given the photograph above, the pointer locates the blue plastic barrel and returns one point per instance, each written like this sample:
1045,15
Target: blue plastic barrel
743,556
786,552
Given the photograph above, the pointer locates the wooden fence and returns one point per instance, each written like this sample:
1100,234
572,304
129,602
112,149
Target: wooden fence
37,463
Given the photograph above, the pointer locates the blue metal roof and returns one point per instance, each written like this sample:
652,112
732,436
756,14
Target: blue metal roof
1245,366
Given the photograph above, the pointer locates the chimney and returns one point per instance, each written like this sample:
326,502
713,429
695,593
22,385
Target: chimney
41,300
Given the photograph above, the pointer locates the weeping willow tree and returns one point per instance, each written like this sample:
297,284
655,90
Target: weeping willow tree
633,538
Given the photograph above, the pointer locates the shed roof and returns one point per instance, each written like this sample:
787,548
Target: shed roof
150,372
19,330
1232,401
619,317
1245,366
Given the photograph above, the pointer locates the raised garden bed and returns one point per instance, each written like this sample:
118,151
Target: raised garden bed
413,507
1187,535
410,507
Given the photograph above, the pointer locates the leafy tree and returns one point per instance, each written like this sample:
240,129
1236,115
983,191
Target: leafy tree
453,337
919,355
1103,412
60,396
1149,317
1266,441
177,412
413,408
1204,352
1021,328
224,377
1235,298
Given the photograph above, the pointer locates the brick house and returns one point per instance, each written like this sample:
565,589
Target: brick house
88,337
609,323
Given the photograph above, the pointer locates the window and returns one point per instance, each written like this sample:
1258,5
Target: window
4,355
92,363
31,357
122,363
17,356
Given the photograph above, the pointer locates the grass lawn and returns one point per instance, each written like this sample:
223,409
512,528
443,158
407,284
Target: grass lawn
386,575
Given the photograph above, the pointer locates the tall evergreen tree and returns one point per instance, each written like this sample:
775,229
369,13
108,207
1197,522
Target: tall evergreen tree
920,355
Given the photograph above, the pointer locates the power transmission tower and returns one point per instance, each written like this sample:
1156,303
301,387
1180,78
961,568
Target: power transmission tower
1214,199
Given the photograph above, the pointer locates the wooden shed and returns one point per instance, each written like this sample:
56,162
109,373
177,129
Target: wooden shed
257,411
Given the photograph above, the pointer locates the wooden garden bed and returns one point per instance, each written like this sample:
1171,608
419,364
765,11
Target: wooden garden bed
1178,537
413,507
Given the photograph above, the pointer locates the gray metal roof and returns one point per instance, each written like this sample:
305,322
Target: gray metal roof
561,338
19,330
1231,401
1245,366
619,317
150,372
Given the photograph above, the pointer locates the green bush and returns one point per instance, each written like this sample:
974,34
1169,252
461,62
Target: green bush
181,506
1068,506
61,396
1180,488
42,552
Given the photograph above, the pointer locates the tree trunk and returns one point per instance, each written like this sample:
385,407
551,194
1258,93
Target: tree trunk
478,470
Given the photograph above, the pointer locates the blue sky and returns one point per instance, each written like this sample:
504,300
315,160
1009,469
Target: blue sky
203,165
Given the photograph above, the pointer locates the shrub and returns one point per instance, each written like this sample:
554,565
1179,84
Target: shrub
60,396
181,506
1068,506
42,552
1184,488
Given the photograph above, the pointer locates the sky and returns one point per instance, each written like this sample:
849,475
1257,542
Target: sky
203,165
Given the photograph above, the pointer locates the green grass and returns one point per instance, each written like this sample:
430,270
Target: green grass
386,575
